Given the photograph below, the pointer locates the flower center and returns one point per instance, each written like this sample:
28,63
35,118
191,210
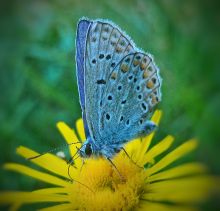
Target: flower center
108,190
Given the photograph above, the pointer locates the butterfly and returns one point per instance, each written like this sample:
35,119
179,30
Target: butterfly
119,86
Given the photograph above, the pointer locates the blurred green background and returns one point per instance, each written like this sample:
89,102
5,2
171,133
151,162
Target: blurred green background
38,81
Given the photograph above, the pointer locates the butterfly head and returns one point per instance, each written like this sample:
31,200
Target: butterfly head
87,149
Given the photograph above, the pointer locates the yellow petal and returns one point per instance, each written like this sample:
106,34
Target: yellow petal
15,206
36,174
132,146
184,190
80,129
51,191
70,137
30,197
143,147
146,141
173,156
156,117
60,207
157,150
179,171
154,206
49,162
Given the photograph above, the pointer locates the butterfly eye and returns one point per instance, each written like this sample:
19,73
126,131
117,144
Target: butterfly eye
138,88
128,122
116,150
88,149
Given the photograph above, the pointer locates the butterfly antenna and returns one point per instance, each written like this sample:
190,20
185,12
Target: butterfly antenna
72,158
53,150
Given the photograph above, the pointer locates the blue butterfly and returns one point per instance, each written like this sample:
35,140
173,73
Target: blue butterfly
119,86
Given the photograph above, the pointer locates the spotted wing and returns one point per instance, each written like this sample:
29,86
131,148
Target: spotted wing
132,90
106,46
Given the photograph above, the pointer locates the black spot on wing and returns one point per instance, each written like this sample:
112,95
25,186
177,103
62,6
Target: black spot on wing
101,81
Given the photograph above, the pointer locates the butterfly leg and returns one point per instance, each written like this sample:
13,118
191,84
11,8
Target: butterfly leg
83,162
131,158
69,165
121,177
73,180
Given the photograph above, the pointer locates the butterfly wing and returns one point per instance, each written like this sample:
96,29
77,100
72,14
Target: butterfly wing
122,86
106,45
82,30
132,92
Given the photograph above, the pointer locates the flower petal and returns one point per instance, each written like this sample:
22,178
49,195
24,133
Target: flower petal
184,190
156,150
60,207
30,197
15,206
36,174
70,137
132,146
49,162
80,129
172,156
146,141
146,205
51,191
179,171
157,117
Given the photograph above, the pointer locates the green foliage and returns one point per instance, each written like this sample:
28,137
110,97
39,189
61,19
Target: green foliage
38,82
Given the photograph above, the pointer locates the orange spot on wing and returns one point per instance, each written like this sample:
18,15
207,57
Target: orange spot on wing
150,85
113,76
124,68
135,62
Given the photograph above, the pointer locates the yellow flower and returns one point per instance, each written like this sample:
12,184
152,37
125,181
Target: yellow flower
148,182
